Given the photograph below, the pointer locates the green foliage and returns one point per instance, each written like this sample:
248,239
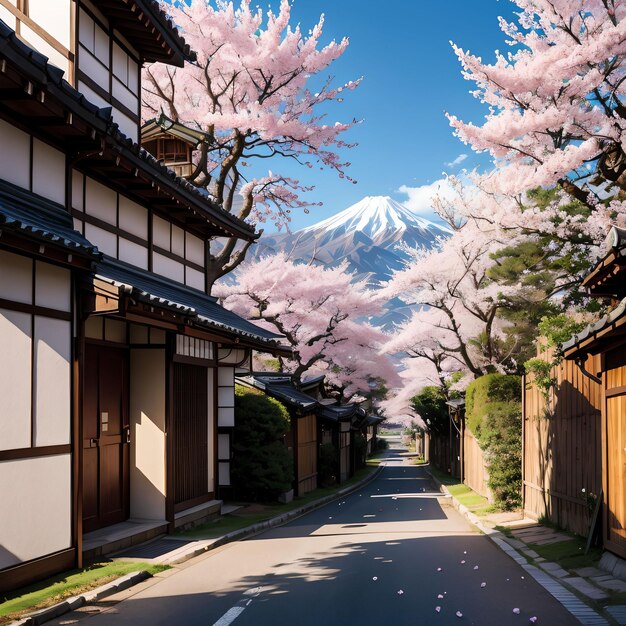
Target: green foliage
430,405
556,329
494,416
262,467
382,444
360,450
327,470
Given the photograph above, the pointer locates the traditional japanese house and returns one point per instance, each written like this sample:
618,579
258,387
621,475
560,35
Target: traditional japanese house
372,424
302,439
607,339
336,428
118,368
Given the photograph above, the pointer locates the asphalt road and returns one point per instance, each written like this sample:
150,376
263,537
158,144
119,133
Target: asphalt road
389,554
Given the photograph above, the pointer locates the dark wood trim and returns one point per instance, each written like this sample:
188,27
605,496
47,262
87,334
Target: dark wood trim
191,360
176,257
189,504
77,432
34,452
31,571
615,391
55,255
104,343
32,309
170,512
216,429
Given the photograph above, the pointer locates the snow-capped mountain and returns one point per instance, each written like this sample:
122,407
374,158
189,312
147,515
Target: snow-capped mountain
370,235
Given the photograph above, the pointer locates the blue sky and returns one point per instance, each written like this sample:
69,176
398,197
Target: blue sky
411,76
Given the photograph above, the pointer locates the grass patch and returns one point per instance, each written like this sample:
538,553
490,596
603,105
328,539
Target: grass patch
466,496
255,513
505,530
568,554
57,588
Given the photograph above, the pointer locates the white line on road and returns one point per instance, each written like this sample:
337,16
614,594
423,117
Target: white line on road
399,496
230,616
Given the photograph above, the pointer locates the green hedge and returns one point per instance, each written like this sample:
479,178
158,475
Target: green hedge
262,467
494,415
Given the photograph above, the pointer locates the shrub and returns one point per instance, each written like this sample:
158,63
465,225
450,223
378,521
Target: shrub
262,467
494,416
328,464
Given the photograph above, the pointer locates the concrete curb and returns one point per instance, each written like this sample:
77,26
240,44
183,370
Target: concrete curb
581,611
129,580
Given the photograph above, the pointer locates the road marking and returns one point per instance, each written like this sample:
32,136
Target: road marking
230,616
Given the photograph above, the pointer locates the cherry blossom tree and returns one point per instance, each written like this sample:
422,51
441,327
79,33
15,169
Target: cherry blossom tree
256,94
557,110
320,312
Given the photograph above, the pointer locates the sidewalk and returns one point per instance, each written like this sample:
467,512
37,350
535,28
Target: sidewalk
521,538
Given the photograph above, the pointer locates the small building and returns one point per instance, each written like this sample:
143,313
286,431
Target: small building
336,429
302,439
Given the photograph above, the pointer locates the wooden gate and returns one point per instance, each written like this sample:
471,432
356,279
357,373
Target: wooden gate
615,452
344,455
307,454
106,437
190,417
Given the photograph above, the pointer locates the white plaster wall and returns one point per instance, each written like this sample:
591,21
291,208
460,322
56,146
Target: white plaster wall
15,382
16,277
127,126
194,278
78,181
7,17
168,267
48,172
133,253
41,45
53,287
91,95
147,418
133,218
15,155
35,516
53,17
178,241
194,250
161,233
52,381
226,376
225,397
106,241
101,201
224,474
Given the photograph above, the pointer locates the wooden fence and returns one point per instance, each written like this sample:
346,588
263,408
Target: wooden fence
475,471
562,452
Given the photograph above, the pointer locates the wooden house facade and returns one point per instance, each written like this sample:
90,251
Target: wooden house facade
118,367
606,339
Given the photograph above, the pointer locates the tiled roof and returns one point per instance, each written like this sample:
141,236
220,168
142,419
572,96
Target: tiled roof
569,348
41,219
339,413
190,302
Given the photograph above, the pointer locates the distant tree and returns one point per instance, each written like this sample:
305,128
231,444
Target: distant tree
557,112
254,93
262,467
430,405
321,312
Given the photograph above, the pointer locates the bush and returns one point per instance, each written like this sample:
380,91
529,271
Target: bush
494,416
430,405
382,444
328,465
262,467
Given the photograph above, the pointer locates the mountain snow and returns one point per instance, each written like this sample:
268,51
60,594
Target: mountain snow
371,235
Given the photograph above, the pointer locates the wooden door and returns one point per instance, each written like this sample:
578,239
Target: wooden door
190,426
307,454
106,437
344,456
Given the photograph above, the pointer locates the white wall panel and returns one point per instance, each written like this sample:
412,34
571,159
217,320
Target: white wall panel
223,446
133,253
194,250
133,218
101,201
168,268
178,241
48,172
16,277
7,17
53,17
194,278
35,516
78,225
53,287
15,382
161,233
52,381
78,180
147,419
226,396
225,416
226,376
106,241
93,67
127,126
91,95
14,155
